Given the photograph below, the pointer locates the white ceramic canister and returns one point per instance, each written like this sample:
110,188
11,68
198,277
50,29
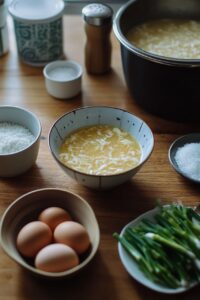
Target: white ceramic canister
3,28
38,30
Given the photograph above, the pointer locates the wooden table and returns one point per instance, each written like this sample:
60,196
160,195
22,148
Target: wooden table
105,278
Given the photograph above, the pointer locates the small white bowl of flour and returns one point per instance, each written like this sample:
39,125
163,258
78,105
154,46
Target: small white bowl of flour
20,132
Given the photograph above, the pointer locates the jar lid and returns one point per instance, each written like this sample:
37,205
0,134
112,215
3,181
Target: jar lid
36,10
97,14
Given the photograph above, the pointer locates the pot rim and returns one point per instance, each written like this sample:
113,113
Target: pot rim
176,62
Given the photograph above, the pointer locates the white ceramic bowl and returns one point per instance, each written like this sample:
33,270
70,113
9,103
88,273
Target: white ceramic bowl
191,138
86,116
63,78
27,208
16,163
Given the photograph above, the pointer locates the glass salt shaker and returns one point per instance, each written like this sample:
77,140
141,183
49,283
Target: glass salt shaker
98,25
3,28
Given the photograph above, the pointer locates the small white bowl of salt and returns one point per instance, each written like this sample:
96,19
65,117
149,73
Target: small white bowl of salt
20,132
63,78
184,156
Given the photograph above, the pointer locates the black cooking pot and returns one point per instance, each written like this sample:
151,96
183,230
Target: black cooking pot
167,87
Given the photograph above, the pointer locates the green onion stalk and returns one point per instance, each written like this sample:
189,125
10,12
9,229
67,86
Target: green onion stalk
167,249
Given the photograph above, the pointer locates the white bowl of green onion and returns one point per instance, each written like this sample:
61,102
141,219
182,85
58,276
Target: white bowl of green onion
161,248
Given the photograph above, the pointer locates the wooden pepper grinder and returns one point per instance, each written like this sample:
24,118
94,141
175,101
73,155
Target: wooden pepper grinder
98,25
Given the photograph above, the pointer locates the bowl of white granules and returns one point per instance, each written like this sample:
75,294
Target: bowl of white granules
20,132
184,156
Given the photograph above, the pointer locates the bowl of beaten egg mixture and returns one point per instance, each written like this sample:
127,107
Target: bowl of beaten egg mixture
161,55
100,147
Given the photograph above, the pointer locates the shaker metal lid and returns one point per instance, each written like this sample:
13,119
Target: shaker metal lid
97,14
36,10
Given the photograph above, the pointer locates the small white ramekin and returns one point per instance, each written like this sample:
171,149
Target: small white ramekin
63,78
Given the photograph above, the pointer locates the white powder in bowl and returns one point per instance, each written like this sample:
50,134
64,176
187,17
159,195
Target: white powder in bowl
188,159
14,137
62,74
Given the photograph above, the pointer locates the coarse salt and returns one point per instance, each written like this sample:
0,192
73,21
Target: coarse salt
14,137
62,74
188,160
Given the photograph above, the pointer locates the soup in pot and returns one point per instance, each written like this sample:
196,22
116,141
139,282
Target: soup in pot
168,37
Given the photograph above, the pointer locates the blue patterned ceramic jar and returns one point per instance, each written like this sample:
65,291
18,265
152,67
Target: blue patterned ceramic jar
38,30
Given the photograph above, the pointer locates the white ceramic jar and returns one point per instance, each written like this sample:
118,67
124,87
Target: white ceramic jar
38,30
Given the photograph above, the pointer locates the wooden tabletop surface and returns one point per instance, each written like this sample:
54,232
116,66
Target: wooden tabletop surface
105,277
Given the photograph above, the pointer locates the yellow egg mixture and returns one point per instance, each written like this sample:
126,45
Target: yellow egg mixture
100,150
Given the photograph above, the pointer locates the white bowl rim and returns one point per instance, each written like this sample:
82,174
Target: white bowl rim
64,63
44,273
94,175
35,138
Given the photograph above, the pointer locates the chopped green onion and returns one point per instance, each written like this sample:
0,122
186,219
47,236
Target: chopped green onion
167,248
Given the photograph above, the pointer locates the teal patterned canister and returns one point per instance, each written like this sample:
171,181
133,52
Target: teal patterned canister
38,30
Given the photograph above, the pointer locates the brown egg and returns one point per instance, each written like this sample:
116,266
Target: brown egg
53,216
72,234
33,237
56,258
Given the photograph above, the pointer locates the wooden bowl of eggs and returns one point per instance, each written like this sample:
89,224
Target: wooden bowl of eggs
100,147
53,233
